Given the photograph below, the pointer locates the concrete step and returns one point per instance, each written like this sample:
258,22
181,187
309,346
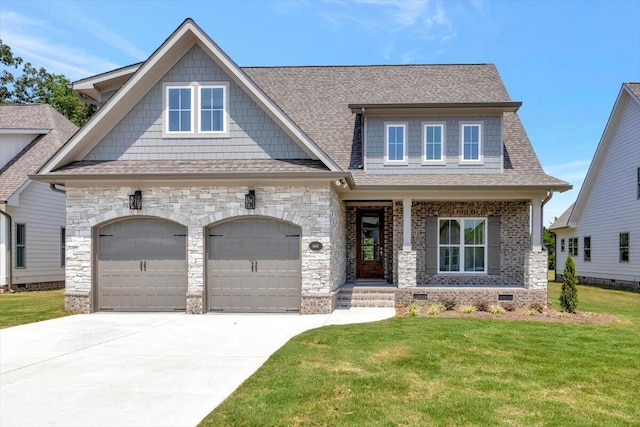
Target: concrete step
366,297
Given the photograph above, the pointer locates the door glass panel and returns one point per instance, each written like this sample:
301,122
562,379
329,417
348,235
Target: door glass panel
370,238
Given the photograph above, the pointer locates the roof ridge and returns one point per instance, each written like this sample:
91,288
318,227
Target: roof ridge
372,65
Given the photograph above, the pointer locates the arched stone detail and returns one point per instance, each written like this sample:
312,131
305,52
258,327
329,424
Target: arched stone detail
125,214
274,213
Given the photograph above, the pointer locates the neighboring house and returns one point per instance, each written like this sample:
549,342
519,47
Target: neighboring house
601,230
202,186
32,217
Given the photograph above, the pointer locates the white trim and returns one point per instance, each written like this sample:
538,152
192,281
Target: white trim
166,133
461,246
405,143
406,224
12,131
480,159
225,113
443,143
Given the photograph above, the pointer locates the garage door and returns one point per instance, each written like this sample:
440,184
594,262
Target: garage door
254,266
142,266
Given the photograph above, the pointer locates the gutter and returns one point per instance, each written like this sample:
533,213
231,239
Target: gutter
544,202
10,258
53,187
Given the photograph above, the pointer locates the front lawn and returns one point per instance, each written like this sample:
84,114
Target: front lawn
417,371
27,307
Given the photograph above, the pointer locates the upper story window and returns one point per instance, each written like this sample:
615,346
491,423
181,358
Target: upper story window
471,142
196,110
462,245
396,143
624,247
433,142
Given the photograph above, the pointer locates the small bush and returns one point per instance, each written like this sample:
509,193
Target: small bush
468,309
482,305
569,292
414,308
436,308
449,303
508,306
531,312
496,309
537,307
562,314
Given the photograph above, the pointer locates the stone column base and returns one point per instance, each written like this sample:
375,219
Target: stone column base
194,303
318,303
535,270
77,302
407,269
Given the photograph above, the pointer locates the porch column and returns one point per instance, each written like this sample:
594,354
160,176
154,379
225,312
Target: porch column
406,257
536,224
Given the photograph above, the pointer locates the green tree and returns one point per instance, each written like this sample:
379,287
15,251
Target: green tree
549,241
569,291
22,83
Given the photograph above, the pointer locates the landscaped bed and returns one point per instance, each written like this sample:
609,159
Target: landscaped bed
28,307
442,371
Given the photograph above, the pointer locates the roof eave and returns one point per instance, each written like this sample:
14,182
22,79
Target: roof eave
444,108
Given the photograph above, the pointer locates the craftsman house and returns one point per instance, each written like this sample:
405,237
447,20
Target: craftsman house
601,230
203,186
32,217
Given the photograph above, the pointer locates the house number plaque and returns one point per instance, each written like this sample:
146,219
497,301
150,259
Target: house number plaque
315,246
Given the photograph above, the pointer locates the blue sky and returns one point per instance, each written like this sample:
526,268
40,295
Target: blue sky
565,60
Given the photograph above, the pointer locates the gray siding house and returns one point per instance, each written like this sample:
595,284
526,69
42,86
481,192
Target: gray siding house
601,230
203,186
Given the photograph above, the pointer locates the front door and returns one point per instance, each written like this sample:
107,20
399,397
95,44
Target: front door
370,244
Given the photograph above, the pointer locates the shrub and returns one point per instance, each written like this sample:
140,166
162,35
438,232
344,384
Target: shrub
531,312
449,303
496,309
508,306
537,307
468,309
436,308
414,308
482,305
569,291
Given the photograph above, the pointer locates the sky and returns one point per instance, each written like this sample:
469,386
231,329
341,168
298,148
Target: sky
565,60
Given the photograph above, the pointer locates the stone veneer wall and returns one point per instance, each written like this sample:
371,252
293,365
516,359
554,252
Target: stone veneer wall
197,207
338,237
469,295
514,239
351,216
535,270
39,286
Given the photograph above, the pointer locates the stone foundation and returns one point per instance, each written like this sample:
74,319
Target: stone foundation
625,285
39,286
318,303
535,270
194,303
406,269
467,296
77,303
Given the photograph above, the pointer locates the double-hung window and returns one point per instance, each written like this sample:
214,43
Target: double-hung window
561,245
573,246
396,143
638,183
21,246
624,247
196,110
433,142
471,142
462,245
586,248
62,246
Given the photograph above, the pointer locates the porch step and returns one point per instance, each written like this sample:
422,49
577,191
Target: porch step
366,297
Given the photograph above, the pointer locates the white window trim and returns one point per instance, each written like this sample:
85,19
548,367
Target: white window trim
165,115
442,160
405,160
195,110
461,246
480,159
225,113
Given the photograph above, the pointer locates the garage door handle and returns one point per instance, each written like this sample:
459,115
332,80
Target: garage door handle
145,266
256,262
140,265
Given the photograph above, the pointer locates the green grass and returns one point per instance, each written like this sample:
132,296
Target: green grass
419,371
27,307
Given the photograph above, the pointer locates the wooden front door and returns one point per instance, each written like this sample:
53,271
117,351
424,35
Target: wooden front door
370,244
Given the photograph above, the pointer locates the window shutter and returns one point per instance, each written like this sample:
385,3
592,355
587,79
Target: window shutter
432,245
493,237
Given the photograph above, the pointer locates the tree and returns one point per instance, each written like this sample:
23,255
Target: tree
31,85
549,241
569,291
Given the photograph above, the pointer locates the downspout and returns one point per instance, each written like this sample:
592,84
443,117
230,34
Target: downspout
544,202
10,244
57,190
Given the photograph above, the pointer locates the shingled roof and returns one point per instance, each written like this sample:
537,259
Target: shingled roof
42,117
635,88
563,220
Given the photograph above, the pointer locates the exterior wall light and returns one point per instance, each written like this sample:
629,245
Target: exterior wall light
135,200
250,200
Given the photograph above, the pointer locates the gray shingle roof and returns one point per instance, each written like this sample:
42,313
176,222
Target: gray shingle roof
563,220
635,88
34,155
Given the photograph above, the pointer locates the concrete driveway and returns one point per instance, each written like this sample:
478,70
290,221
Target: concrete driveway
117,369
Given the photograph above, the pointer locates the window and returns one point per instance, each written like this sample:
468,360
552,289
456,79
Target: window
638,183
471,142
433,142
396,146
212,104
196,110
573,246
561,245
624,247
179,108
62,246
21,246
462,245
586,251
